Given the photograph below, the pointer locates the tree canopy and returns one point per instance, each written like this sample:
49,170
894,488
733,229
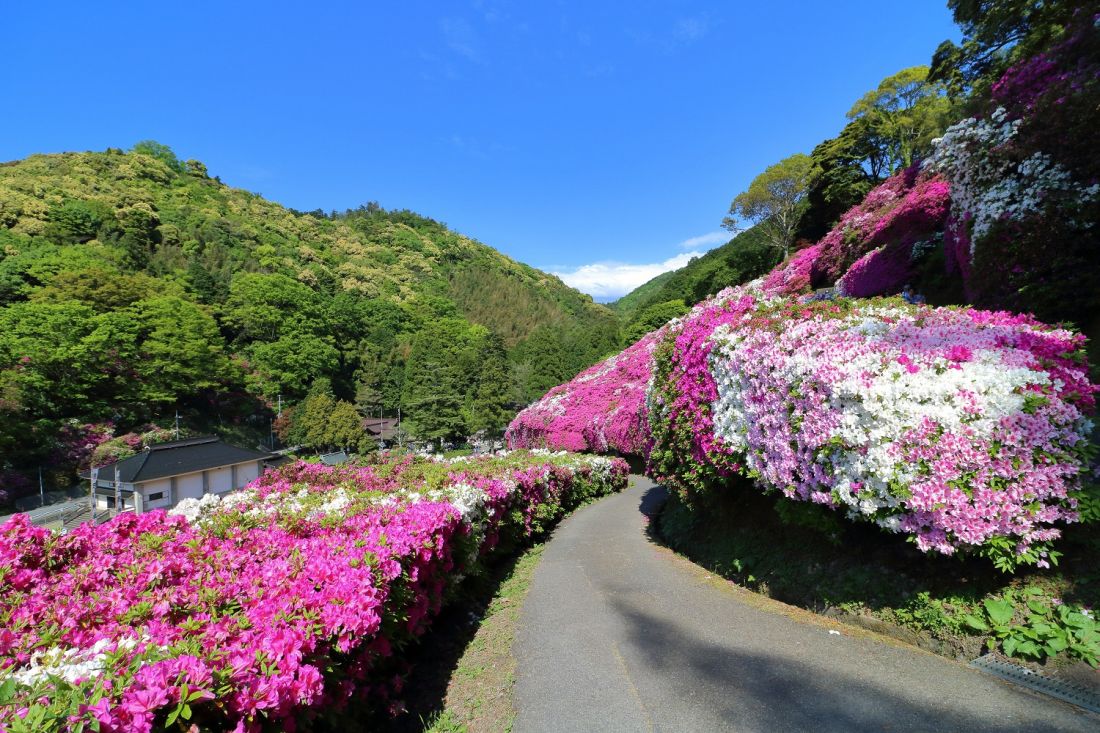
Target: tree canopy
773,201
133,285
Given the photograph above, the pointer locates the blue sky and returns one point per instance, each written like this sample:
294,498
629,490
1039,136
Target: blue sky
602,141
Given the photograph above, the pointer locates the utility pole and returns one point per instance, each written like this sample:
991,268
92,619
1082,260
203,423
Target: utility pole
177,424
41,489
91,496
280,412
118,490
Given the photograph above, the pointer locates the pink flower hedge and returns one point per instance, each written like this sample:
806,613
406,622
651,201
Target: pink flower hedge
909,207
262,610
964,429
601,410
793,276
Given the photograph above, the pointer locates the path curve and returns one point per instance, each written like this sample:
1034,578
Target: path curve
619,634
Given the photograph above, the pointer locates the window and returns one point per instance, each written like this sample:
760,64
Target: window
156,496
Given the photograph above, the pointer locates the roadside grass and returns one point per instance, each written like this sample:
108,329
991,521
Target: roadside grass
459,676
477,693
808,556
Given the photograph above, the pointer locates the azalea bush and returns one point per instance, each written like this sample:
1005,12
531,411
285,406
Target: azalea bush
601,410
128,444
872,249
76,442
793,276
1025,184
963,429
268,607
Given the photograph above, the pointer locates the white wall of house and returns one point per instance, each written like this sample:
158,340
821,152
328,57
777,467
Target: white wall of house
187,486
163,488
246,473
107,500
173,490
219,480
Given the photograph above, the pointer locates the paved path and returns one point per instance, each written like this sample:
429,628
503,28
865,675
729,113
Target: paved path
618,634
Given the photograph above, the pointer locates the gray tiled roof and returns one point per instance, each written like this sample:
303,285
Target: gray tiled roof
178,457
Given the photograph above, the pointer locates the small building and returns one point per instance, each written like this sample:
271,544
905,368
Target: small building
382,429
338,458
162,475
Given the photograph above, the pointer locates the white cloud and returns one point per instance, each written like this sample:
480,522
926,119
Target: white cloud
705,240
606,281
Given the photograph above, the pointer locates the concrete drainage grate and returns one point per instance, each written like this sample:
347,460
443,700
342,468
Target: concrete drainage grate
1071,693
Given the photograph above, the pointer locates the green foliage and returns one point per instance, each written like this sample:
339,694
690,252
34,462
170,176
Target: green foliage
541,358
774,200
132,283
850,165
455,381
995,34
925,612
487,403
902,116
76,221
159,151
1027,624
651,318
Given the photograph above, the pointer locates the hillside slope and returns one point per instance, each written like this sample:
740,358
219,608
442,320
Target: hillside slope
745,257
133,284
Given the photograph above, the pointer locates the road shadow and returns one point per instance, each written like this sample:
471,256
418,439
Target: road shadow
652,501
759,691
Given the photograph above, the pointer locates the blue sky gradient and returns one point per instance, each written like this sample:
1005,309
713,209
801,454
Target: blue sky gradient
602,141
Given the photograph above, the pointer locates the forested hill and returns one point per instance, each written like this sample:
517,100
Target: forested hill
133,284
745,257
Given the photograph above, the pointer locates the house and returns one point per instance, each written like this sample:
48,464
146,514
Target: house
162,475
382,429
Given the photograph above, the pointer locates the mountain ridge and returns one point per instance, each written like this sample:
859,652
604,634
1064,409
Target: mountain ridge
123,253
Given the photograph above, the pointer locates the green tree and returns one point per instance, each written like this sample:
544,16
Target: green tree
139,235
102,289
309,419
488,400
76,221
546,363
179,348
850,165
291,363
263,306
902,115
774,201
995,34
46,363
436,380
159,151
345,429
202,283
652,318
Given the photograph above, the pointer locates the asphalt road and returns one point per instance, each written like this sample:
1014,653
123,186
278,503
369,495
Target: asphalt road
619,634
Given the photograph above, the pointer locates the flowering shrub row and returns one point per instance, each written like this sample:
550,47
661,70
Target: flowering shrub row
962,428
601,410
263,608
